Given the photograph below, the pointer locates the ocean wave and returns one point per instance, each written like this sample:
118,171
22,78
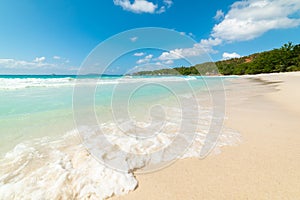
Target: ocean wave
59,169
163,140
69,167
99,161
23,83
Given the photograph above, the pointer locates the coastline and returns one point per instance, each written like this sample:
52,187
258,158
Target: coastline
263,166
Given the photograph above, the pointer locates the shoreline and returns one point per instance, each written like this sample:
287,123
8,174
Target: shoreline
263,166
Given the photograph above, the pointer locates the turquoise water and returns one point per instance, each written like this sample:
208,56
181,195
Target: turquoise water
41,105
50,126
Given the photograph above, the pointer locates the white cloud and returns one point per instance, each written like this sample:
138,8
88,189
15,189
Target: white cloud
219,15
138,6
8,63
36,63
227,56
143,6
39,59
56,57
169,62
207,44
171,55
139,54
149,56
36,66
245,20
168,3
147,59
251,18
204,46
189,34
161,10
134,39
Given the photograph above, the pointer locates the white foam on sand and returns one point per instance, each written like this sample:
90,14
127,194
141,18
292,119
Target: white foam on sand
62,168
59,169
123,147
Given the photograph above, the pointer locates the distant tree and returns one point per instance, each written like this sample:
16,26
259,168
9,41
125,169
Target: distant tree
284,59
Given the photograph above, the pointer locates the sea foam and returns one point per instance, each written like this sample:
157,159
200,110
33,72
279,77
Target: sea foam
59,168
22,83
64,168
99,161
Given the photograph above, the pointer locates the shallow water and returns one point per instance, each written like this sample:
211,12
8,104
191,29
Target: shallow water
88,147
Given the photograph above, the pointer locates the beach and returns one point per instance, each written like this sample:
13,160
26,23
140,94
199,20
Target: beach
256,157
264,165
150,99
87,135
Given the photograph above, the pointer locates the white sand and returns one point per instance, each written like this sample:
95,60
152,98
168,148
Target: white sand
264,166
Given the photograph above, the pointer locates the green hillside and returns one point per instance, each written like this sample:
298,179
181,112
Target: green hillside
284,59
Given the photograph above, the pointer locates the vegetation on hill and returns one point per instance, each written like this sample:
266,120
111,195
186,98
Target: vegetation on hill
284,59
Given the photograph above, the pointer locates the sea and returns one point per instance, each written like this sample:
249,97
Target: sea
86,137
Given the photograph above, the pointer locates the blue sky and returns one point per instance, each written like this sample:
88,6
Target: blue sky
55,36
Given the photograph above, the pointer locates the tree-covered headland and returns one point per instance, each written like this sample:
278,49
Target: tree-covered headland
284,59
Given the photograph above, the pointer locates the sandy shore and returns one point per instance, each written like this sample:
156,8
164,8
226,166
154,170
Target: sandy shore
265,109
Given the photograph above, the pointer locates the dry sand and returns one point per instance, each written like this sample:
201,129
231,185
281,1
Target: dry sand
265,165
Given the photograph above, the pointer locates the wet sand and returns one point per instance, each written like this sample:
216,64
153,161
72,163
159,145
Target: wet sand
265,109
